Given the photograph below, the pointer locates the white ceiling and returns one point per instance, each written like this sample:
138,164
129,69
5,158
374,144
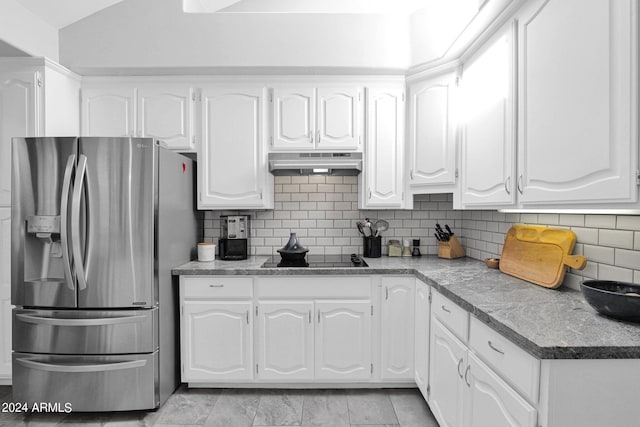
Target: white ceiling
60,13
305,6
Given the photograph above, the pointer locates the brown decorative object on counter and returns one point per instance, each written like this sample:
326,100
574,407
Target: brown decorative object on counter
492,262
450,249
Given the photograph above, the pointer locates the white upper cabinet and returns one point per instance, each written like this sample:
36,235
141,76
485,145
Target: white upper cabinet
232,170
109,111
432,133
383,183
306,117
338,118
294,115
488,125
18,117
165,112
159,110
578,85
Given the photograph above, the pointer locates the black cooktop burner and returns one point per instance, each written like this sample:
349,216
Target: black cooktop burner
318,261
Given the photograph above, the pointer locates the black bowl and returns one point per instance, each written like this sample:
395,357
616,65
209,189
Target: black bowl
620,300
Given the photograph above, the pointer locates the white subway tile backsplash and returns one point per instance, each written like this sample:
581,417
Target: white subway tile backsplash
599,254
616,238
610,272
323,211
600,221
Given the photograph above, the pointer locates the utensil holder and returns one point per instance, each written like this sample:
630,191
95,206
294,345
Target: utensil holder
451,249
372,247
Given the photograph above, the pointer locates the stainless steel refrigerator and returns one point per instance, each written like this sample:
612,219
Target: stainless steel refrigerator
97,224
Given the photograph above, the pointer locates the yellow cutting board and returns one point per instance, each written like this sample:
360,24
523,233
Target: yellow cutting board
539,254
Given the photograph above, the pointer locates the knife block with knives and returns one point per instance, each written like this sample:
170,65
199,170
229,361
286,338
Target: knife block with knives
448,245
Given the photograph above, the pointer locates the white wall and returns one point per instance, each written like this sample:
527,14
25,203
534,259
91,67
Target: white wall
147,33
26,31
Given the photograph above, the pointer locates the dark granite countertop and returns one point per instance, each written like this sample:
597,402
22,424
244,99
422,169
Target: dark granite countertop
548,323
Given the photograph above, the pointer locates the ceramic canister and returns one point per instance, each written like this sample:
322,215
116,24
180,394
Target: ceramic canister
206,252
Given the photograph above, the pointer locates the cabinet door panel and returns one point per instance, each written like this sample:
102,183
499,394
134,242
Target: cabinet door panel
108,112
421,340
285,349
231,170
17,119
491,402
217,341
432,132
338,118
294,114
343,340
397,331
487,148
578,119
384,163
5,292
446,365
165,113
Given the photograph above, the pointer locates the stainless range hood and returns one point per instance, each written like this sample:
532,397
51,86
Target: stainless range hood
315,163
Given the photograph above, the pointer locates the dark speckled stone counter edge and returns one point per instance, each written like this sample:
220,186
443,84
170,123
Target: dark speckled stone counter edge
549,324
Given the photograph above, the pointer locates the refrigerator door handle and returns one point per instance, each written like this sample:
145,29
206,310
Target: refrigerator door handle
72,367
64,220
75,222
54,321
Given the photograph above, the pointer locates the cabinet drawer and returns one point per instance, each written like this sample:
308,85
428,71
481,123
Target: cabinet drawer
455,318
515,365
309,287
216,287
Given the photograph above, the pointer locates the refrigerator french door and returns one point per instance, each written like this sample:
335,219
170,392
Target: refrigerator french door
96,225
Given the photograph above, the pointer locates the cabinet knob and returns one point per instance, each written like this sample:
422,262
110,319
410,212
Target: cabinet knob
459,366
411,174
507,185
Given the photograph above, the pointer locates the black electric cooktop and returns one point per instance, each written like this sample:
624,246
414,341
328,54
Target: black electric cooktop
318,261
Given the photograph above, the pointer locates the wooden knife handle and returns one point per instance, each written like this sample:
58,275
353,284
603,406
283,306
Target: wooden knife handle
577,262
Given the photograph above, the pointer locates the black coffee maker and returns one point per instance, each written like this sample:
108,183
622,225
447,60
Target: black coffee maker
234,237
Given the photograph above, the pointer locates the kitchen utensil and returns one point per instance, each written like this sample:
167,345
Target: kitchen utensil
444,236
381,226
359,225
539,254
437,236
614,299
448,229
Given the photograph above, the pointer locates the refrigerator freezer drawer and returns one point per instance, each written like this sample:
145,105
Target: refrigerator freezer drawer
87,383
85,332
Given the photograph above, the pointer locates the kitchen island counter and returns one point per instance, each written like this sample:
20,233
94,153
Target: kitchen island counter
547,323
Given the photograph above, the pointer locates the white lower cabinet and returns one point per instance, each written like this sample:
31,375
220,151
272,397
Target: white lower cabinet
285,340
5,294
447,362
216,329
396,330
421,337
463,391
489,401
343,340
218,341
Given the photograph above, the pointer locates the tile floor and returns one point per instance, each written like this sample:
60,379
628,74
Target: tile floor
251,407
